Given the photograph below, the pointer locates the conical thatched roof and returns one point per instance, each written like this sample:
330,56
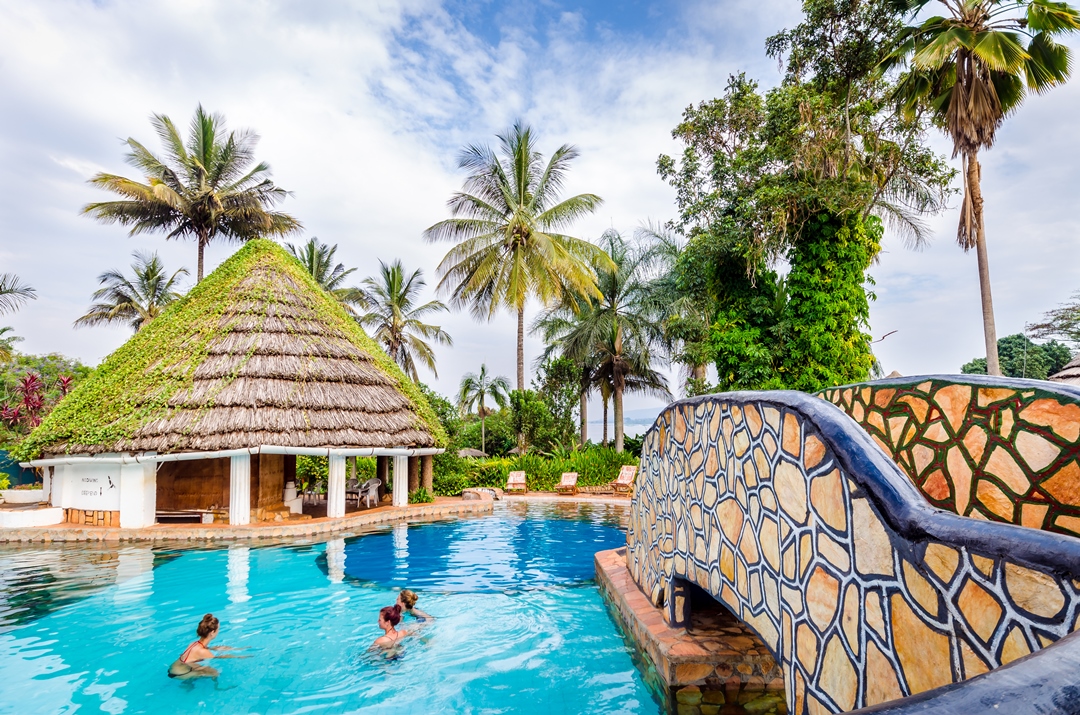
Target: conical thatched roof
1070,374
256,354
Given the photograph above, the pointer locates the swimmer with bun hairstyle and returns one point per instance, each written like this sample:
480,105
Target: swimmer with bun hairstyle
407,600
187,665
389,617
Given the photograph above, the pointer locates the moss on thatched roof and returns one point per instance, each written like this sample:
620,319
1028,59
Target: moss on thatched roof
256,354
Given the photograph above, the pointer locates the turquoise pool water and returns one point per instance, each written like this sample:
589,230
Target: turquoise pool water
520,625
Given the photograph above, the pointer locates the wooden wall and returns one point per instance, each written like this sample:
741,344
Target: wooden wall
194,484
267,480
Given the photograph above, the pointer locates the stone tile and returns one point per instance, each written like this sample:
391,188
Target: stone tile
1032,515
881,683
849,619
692,672
937,486
1037,451
923,457
1064,485
1034,591
827,498
1068,523
919,406
836,554
960,474
790,486
989,395
876,421
1007,421
806,647
822,598
1064,420
769,537
921,589
975,442
942,561
954,401
936,432
806,552
923,652
789,563
730,515
753,420
896,429
1015,646
985,565
792,441
973,664
873,552
772,417
994,499
813,451
980,609
884,397
838,677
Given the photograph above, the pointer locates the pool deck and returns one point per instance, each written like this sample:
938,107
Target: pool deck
441,508
718,666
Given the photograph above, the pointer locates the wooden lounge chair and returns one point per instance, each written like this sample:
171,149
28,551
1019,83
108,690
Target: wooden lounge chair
624,483
568,483
515,482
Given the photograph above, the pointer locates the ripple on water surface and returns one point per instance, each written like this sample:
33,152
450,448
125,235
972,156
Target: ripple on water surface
520,625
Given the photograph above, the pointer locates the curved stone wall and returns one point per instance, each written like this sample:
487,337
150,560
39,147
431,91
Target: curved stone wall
786,511
992,448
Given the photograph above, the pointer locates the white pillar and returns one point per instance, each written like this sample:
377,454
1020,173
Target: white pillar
335,560
46,483
239,568
401,481
335,488
138,495
401,541
240,490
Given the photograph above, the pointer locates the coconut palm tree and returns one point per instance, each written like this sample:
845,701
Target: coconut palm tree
476,389
7,343
136,300
508,224
203,190
318,260
396,321
615,333
13,293
973,66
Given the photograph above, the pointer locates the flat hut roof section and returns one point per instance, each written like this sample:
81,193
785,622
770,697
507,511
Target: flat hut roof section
256,354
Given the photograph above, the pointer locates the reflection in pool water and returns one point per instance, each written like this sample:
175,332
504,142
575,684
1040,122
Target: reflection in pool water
519,623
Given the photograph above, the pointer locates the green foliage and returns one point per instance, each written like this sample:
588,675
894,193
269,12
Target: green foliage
421,496
1020,357
529,417
500,435
136,300
1061,322
133,384
827,306
595,466
5,483
312,470
558,383
50,368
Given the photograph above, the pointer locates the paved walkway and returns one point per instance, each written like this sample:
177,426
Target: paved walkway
442,507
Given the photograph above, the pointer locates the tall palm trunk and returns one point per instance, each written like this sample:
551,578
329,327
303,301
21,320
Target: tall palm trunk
521,348
584,405
605,420
203,240
483,436
972,179
617,398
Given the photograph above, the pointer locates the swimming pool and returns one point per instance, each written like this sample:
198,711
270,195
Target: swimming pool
519,624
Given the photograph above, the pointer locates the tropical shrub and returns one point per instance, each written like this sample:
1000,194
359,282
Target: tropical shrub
421,496
595,466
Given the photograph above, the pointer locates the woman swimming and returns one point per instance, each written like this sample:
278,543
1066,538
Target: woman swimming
388,618
187,665
407,601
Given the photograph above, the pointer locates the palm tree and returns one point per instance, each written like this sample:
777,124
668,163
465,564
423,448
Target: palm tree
7,343
476,389
203,190
13,293
318,260
136,300
617,331
396,320
973,67
507,224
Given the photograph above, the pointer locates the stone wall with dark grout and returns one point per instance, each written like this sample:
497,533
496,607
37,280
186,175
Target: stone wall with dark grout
990,448
786,511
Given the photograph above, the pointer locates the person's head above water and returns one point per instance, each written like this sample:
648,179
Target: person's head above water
390,615
407,598
207,626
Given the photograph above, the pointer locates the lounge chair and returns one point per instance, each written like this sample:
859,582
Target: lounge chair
369,491
624,483
568,483
515,482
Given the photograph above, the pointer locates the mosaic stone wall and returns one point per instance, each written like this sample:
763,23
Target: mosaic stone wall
789,514
1005,450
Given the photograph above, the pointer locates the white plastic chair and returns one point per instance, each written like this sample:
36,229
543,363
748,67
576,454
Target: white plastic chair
370,491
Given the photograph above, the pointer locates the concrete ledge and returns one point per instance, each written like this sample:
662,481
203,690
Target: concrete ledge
23,518
215,532
706,671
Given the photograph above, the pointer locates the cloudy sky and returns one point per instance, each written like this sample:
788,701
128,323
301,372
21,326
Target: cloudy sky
363,106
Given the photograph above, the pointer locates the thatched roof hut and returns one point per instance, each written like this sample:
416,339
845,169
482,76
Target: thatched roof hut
256,354
1070,374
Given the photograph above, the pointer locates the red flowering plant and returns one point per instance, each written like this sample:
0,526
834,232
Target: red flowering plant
30,387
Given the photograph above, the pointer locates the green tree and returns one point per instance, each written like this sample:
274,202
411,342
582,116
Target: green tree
397,322
13,293
508,225
135,300
318,260
476,390
558,383
202,190
1020,357
972,67
620,329
1061,322
530,418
